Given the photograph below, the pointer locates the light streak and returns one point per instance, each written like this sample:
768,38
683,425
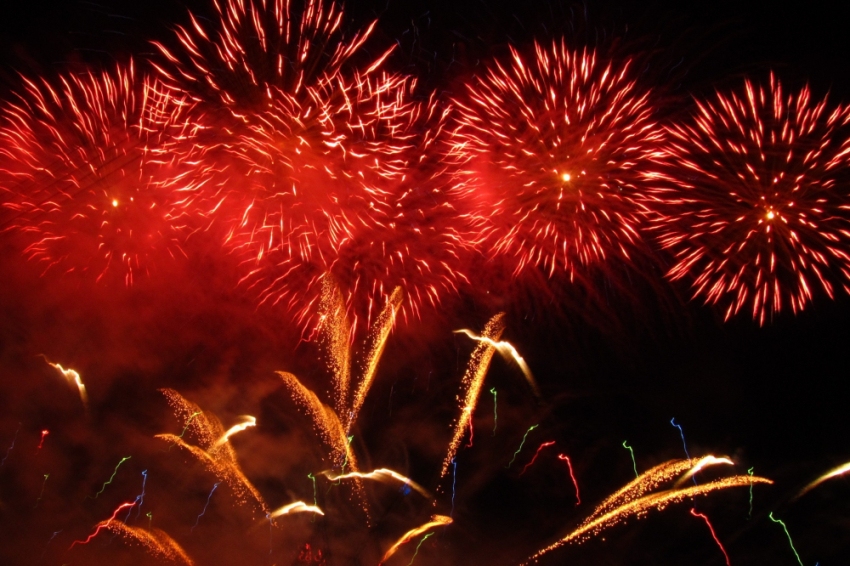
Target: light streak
572,475
833,473
713,534
702,463
156,542
471,432
248,421
149,515
632,452
315,500
140,499
536,454
11,446
102,525
381,474
454,485
416,552
495,409
188,422
787,534
40,495
472,382
507,350
682,434
109,481
74,378
521,444
297,507
750,514
436,521
44,434
207,504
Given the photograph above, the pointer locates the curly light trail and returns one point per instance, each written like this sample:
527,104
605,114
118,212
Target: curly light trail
158,544
566,458
418,546
436,521
536,454
521,444
41,494
102,525
297,507
682,434
11,446
752,200
73,377
112,477
495,409
641,506
554,148
750,514
507,350
632,452
207,504
713,534
381,474
248,421
787,534
472,382
834,473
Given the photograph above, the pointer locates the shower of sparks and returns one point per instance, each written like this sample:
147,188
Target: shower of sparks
631,501
73,377
521,444
536,454
112,477
297,507
382,474
752,199
682,434
787,534
472,382
416,552
835,472
102,525
248,421
507,350
566,458
632,452
436,521
44,434
159,545
188,422
713,534
41,495
11,446
207,504
495,409
750,514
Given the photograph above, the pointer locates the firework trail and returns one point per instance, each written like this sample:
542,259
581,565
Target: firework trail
44,434
750,514
521,444
436,521
495,409
566,458
297,507
631,501
554,150
682,434
11,446
472,382
754,199
536,454
713,534
248,421
382,474
41,494
418,546
507,350
74,378
102,525
93,167
207,504
833,473
157,543
632,452
112,477
787,534
702,463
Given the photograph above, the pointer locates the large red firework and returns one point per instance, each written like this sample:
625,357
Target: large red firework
555,151
93,179
756,208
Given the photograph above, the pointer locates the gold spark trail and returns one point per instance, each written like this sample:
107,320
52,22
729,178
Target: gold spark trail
436,521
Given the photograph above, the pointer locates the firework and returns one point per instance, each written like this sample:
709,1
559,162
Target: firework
521,444
566,458
788,535
381,474
297,507
536,454
472,382
833,473
436,521
96,181
507,350
103,524
754,199
112,477
248,421
158,544
554,150
704,517
73,377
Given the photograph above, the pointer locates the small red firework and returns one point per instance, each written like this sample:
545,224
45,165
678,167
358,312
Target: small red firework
554,150
756,208
94,183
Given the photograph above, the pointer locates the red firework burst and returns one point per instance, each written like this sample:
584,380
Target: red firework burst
257,46
554,153
756,207
93,178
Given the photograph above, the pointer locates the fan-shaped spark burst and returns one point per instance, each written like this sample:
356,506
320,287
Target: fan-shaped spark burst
554,150
755,199
95,179
159,545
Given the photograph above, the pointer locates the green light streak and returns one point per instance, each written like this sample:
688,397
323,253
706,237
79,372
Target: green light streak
40,495
632,452
150,519
495,410
750,516
787,535
521,444
188,422
417,548
109,481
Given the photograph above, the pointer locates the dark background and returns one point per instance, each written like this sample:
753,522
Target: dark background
771,397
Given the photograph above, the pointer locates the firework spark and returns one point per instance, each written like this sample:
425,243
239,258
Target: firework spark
555,151
157,543
755,199
436,521
297,507
713,534
96,179
103,524
381,474
73,377
248,421
566,458
508,351
833,473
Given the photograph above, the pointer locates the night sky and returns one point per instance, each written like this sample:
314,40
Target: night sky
614,365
